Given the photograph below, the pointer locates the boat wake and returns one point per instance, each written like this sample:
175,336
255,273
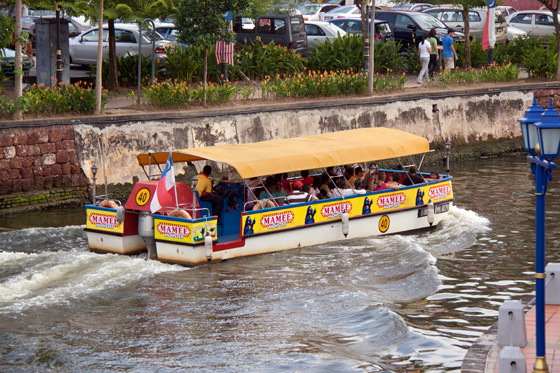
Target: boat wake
42,267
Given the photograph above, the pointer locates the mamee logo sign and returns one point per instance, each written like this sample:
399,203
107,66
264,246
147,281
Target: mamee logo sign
335,210
439,192
277,220
391,201
103,221
173,230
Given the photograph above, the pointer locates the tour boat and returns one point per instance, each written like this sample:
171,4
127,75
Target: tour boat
197,238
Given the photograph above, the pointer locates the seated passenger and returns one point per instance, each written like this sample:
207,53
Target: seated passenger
380,185
305,178
270,185
315,191
279,193
393,182
412,177
204,189
300,194
343,189
434,176
324,188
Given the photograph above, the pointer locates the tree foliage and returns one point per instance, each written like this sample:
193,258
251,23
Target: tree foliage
202,22
554,7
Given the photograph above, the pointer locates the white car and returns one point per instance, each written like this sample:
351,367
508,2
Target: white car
341,12
320,31
515,32
537,23
312,12
83,48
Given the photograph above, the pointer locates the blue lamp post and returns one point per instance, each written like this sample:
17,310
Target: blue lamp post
541,139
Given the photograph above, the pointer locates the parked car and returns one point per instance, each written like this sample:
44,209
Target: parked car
409,27
537,23
414,7
354,26
452,16
167,30
515,32
320,31
74,27
83,48
312,12
286,29
8,59
341,12
506,10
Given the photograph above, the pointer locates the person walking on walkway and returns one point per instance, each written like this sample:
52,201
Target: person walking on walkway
434,53
449,54
424,48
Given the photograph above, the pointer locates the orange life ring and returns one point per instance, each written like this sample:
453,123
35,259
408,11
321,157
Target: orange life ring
108,203
180,213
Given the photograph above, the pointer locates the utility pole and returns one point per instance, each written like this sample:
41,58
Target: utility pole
18,84
98,68
371,48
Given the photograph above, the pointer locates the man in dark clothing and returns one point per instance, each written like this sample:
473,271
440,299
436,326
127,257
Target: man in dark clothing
412,177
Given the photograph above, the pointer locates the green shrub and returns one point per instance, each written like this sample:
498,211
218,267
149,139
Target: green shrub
338,54
514,51
187,63
258,60
411,60
7,107
541,62
479,57
388,57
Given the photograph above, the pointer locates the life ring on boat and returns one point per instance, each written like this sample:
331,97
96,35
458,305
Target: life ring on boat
108,203
263,204
179,213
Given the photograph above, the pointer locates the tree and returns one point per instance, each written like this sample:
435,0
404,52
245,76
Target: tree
554,7
202,23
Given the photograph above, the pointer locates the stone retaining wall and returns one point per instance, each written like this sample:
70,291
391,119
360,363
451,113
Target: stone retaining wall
39,166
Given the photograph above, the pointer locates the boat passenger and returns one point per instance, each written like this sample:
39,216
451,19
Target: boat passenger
412,177
204,189
305,178
434,176
393,182
286,185
270,185
381,185
352,176
299,195
343,189
324,188
315,188
279,193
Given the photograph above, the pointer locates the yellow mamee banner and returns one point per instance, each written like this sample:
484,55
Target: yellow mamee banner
104,220
305,214
184,232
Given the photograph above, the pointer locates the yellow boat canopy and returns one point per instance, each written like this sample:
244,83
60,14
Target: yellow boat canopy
303,153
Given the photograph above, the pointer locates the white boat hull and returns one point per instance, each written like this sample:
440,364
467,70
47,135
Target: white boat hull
366,226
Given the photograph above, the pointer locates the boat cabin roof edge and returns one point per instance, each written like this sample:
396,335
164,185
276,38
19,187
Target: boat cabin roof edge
302,153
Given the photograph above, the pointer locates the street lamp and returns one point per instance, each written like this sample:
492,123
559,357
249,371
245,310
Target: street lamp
94,178
541,139
447,147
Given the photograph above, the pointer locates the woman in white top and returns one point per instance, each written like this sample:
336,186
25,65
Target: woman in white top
424,48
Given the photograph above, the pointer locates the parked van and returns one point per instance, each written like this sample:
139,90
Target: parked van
286,29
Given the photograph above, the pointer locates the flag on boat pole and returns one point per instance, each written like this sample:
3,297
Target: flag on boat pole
163,195
489,35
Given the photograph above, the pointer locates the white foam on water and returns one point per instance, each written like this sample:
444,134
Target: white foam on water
459,230
44,239
58,278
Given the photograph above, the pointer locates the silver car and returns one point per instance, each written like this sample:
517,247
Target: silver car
83,48
538,23
320,31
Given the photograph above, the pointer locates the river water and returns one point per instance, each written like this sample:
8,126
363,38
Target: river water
396,303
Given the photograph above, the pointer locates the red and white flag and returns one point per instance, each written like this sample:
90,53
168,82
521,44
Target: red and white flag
164,194
224,51
489,35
